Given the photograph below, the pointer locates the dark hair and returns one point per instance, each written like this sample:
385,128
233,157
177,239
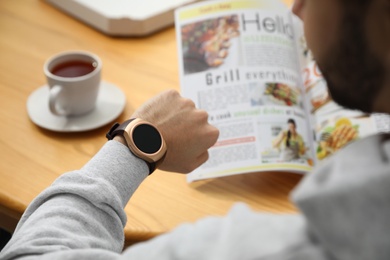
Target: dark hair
289,121
349,53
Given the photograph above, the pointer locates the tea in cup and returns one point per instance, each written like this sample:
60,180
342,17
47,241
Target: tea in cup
74,80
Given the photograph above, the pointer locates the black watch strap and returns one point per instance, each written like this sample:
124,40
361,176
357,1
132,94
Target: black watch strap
118,129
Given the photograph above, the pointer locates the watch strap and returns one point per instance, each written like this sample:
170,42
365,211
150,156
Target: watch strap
118,129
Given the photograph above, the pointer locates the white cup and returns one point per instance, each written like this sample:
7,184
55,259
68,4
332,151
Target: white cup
74,80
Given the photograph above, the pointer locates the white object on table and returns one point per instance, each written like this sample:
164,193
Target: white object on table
123,17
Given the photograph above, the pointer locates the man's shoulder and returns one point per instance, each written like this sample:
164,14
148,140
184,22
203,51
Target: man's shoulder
367,149
346,192
359,161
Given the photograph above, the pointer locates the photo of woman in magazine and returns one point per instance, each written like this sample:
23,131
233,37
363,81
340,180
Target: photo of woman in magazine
206,43
290,142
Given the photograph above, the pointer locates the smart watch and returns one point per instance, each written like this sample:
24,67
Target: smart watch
143,139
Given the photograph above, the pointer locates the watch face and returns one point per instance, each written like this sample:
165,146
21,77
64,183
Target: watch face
147,138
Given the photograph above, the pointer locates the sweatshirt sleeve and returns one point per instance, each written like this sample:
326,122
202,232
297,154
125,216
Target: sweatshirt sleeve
81,209
81,216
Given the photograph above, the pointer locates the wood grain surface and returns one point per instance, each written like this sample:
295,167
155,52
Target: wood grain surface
32,158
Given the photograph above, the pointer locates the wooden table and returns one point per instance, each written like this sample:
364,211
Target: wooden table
31,157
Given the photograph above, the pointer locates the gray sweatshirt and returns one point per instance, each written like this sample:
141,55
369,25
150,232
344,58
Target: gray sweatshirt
344,205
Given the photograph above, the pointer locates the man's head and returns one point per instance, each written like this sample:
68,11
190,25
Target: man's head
350,40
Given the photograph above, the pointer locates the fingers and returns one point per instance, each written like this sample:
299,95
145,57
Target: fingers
186,154
192,165
185,128
211,136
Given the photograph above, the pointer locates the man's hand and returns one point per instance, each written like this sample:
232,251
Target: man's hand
186,130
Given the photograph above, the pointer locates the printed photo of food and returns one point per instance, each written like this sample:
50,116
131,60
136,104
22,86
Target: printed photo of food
320,100
334,137
319,95
282,94
206,44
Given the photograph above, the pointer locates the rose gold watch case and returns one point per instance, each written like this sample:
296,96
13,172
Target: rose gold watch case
128,133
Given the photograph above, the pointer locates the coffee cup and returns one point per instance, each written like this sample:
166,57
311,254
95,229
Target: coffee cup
74,80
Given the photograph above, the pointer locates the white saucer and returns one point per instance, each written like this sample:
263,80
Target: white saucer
110,104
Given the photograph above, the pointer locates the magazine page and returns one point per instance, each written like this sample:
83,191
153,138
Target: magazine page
334,126
238,61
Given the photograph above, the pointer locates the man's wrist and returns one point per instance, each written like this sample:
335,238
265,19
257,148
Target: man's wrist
142,138
120,139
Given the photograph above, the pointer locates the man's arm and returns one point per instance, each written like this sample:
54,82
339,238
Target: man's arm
84,209
81,209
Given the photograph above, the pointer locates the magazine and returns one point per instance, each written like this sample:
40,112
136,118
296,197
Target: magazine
246,63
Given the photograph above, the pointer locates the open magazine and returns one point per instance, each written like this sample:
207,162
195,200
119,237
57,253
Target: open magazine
246,63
